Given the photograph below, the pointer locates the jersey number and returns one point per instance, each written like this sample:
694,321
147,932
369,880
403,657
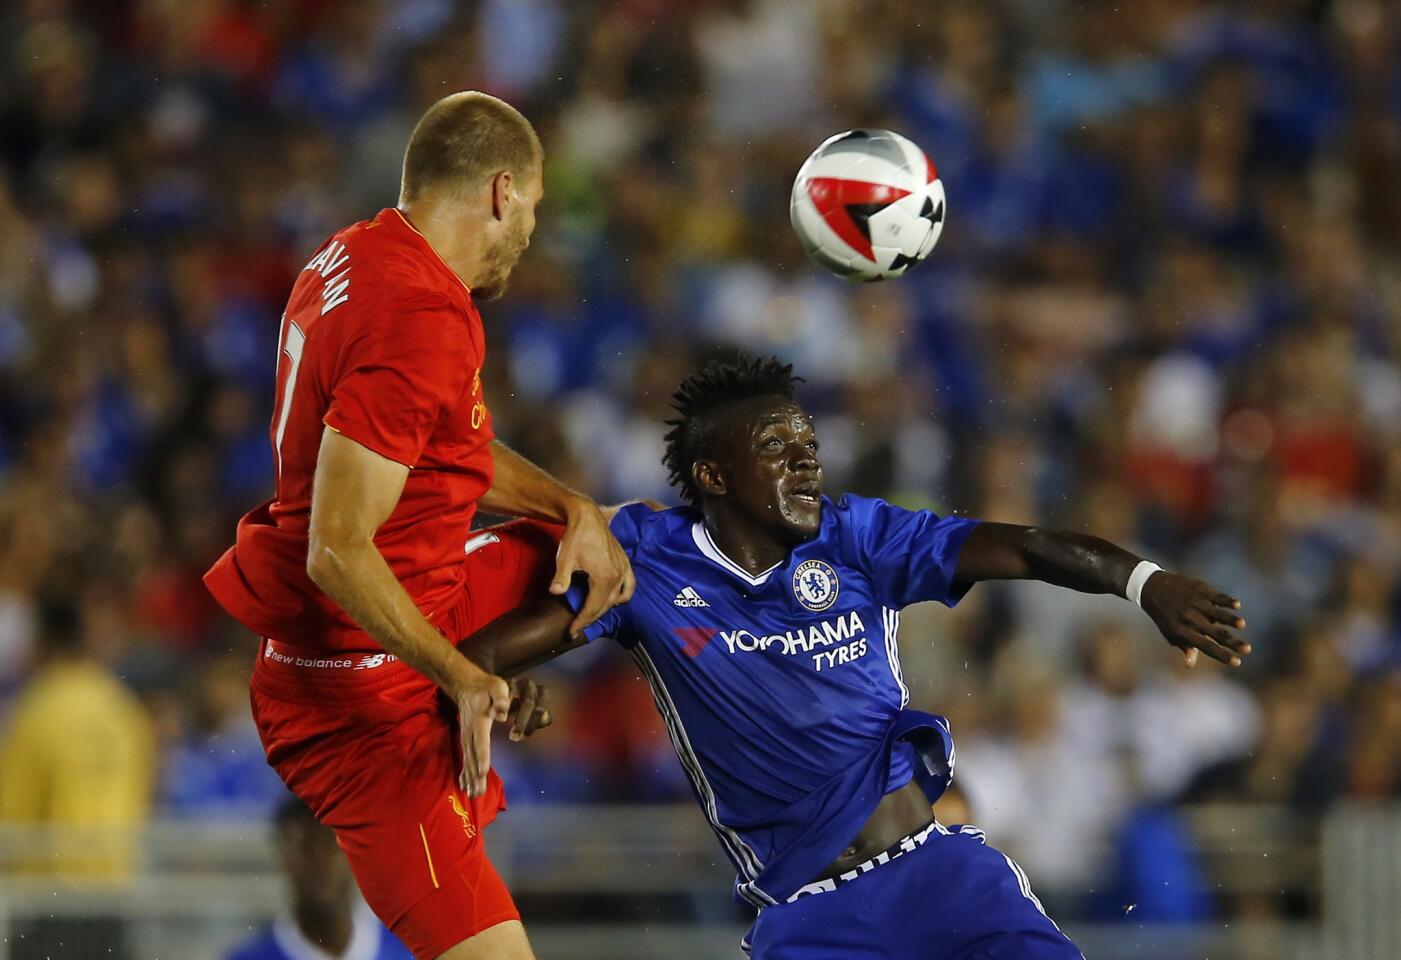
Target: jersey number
292,342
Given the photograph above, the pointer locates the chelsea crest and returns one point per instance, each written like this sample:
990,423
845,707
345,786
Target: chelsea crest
815,585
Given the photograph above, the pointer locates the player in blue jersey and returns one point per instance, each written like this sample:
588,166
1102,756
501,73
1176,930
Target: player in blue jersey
323,920
765,620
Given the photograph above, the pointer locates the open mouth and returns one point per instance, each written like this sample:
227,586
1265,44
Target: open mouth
809,492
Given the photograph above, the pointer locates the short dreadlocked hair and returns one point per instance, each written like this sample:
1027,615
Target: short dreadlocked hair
705,396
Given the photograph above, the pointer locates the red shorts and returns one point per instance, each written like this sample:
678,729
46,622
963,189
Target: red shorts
372,747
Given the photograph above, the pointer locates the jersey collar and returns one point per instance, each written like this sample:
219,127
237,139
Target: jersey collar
436,257
713,553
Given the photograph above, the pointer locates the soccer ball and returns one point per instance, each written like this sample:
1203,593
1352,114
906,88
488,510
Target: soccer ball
867,205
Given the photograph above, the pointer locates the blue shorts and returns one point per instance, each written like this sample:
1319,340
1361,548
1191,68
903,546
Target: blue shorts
945,896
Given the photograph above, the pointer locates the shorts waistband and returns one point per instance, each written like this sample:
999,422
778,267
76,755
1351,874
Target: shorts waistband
300,658
906,844
286,670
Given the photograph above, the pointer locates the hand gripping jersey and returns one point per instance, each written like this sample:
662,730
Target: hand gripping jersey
381,343
782,692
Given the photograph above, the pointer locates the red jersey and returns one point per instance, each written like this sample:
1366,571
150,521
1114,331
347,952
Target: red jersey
381,343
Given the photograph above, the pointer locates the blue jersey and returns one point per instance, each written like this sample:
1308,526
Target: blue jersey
782,692
281,940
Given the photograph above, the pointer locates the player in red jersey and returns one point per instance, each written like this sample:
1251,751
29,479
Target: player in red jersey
361,575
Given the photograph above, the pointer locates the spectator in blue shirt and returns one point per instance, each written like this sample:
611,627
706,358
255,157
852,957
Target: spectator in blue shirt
325,920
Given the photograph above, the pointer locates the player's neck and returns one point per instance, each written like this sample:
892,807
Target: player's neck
329,929
459,246
753,547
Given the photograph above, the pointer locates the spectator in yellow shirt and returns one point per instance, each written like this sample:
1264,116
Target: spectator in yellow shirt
77,763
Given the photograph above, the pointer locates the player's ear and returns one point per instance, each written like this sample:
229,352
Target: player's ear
707,477
501,187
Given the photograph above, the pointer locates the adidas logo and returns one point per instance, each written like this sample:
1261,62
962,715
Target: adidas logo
689,598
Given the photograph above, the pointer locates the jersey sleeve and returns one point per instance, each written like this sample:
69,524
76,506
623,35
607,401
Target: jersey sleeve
401,375
616,621
910,555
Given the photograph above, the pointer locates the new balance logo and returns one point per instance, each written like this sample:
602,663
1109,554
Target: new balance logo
689,598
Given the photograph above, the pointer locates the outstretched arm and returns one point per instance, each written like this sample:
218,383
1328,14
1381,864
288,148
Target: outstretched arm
542,629
1191,615
521,489
523,638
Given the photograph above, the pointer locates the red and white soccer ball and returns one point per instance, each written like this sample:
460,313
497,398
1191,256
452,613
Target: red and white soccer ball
868,205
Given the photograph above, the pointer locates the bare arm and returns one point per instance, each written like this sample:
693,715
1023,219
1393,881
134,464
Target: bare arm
533,633
517,641
524,638
1191,615
527,637
522,489
354,492
1006,551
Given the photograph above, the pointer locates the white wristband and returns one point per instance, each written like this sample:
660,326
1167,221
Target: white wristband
1140,575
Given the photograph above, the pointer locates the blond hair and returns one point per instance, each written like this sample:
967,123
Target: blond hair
465,138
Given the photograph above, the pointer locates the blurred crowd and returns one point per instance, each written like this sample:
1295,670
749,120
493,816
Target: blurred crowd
1166,309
